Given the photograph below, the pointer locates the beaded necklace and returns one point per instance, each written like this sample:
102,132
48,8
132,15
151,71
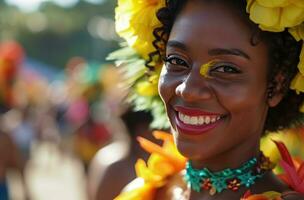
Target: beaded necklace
232,179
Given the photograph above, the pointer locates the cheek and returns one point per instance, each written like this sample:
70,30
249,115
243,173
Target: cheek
246,100
166,86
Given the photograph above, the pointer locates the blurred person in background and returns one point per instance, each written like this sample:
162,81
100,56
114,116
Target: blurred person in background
11,57
22,130
87,108
111,168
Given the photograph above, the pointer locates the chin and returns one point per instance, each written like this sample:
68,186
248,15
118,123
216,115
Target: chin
190,151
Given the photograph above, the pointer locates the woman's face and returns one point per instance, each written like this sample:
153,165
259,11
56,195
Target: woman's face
225,111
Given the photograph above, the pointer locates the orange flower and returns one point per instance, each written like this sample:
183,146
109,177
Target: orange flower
168,151
164,161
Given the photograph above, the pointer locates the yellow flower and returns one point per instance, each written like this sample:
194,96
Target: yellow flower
276,15
297,32
297,83
148,174
164,161
160,165
148,88
135,22
168,151
273,3
290,137
137,190
301,63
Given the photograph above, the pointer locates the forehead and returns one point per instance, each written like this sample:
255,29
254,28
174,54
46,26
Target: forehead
202,25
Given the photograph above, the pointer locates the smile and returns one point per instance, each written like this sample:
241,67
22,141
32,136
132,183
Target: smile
195,122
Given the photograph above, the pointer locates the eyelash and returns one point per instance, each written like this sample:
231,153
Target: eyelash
179,61
215,69
224,66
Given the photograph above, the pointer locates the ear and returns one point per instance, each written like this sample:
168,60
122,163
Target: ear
276,90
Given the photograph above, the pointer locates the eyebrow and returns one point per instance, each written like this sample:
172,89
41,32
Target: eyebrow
176,44
235,52
212,52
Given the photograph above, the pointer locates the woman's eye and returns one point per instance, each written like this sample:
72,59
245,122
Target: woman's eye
226,69
175,61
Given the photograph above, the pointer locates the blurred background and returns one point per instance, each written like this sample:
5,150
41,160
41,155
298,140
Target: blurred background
60,102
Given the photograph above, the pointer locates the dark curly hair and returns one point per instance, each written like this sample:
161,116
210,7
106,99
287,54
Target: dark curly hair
284,52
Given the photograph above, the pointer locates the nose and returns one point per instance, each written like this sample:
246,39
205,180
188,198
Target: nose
194,88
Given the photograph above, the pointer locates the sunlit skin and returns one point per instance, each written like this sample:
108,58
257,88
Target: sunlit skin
236,89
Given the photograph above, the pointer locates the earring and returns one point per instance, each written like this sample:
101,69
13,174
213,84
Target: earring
270,94
271,89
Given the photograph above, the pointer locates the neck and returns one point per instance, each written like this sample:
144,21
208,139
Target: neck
228,179
232,158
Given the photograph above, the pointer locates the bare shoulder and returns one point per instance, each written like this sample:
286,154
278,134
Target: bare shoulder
291,195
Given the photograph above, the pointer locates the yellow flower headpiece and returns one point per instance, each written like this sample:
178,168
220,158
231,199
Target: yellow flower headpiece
276,16
136,20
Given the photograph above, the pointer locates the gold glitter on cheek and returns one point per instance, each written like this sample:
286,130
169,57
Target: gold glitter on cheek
205,68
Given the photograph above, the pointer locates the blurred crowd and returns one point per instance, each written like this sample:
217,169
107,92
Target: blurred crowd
80,112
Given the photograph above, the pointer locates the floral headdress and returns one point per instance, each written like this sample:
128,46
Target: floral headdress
136,20
276,16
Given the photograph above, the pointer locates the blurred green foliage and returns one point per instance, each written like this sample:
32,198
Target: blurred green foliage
54,34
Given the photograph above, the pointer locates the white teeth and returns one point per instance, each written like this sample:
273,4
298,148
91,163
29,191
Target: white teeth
201,120
198,120
207,120
193,120
187,119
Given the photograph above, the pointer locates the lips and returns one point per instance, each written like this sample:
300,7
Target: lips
193,111
195,121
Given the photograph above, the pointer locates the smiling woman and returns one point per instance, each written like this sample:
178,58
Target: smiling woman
224,84
235,90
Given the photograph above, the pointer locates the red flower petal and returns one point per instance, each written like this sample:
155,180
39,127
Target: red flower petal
292,175
284,153
300,171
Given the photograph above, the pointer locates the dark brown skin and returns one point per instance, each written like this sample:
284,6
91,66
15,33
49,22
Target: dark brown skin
236,88
120,173
116,177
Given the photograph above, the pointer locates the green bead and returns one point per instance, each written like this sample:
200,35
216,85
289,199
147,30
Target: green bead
219,180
